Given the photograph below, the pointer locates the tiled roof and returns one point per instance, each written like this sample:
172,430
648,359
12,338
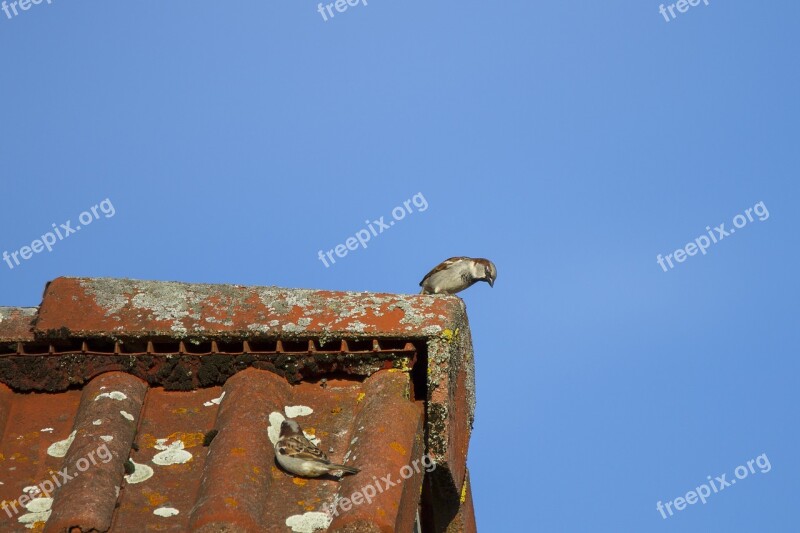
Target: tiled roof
190,383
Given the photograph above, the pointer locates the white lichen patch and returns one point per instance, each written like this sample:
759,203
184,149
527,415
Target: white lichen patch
115,395
161,303
38,511
31,490
172,454
46,430
291,327
297,410
165,512
356,326
127,415
107,438
97,422
309,522
225,322
261,328
59,449
215,401
140,473
274,429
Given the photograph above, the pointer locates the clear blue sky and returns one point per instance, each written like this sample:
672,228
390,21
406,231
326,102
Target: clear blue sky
569,142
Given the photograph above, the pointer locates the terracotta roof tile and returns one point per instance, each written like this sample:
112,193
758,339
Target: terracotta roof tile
237,481
107,307
106,419
377,394
16,323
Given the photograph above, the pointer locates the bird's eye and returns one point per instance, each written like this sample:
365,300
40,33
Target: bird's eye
281,450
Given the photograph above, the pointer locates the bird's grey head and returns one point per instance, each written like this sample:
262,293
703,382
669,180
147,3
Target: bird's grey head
290,427
489,271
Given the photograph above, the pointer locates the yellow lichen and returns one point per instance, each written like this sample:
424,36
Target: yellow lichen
154,498
401,365
190,440
449,335
231,502
360,396
146,440
300,482
396,446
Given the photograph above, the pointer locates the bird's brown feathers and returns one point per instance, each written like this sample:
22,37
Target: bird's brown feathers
442,266
299,447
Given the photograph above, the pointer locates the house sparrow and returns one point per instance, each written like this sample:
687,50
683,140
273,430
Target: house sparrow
456,274
297,455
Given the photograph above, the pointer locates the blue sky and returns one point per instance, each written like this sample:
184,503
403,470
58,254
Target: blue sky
569,142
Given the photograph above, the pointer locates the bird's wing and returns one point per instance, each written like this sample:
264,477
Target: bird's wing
301,448
441,266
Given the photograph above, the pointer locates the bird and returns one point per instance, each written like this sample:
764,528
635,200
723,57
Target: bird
297,455
456,274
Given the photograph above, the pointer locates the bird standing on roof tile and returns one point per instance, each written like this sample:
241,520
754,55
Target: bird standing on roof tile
456,274
297,455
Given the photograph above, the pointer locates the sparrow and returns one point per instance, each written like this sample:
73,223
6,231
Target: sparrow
297,455
456,274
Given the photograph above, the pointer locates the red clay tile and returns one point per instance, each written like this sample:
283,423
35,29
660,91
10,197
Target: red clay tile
35,426
170,460
104,430
236,481
98,307
16,323
388,447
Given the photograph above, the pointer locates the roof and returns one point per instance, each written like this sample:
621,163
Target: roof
165,399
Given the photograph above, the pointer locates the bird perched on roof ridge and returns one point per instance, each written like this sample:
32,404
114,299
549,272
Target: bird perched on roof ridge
297,455
456,274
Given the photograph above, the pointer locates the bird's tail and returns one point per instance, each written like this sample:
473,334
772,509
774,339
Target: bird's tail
345,469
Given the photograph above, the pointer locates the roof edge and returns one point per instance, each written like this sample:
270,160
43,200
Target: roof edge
125,308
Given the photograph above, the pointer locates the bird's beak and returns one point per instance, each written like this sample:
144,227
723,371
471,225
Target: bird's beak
491,282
